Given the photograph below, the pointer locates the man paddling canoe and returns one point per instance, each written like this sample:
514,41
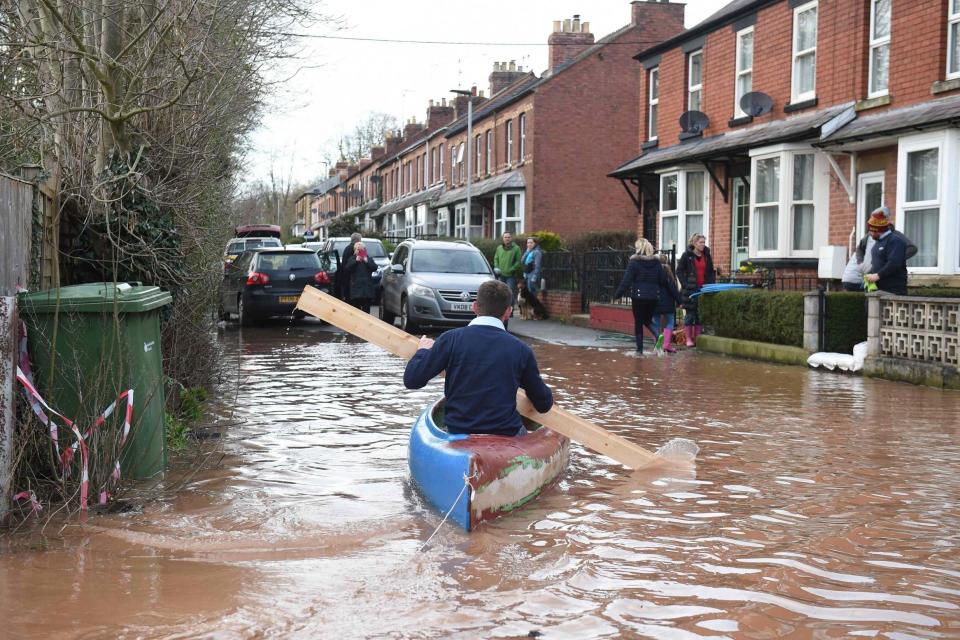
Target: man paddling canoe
485,366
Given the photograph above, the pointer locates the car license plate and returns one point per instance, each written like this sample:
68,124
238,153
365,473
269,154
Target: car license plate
286,299
461,306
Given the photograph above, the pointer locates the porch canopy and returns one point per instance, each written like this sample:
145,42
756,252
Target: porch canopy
874,128
512,180
732,146
411,200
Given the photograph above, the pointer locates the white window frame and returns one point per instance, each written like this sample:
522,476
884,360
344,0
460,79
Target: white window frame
739,73
453,164
809,95
441,153
523,136
500,219
653,102
864,179
460,152
443,222
785,201
694,88
509,126
489,151
478,140
953,18
948,195
409,187
681,212
878,43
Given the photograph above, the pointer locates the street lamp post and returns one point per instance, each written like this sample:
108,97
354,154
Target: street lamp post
469,95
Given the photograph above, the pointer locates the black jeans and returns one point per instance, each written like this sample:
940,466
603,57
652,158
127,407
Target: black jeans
642,315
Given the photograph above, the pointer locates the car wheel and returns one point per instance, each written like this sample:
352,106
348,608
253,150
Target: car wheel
386,316
405,323
246,316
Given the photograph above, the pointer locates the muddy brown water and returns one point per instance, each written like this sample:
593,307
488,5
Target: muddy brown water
821,506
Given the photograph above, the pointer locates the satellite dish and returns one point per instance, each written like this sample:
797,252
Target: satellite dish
756,103
694,121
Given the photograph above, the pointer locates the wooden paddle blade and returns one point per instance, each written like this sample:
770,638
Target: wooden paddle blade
359,323
400,343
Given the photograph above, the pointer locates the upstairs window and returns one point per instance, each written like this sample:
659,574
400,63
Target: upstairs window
460,172
879,48
440,158
509,126
695,81
744,79
453,164
953,39
804,85
490,151
479,167
654,103
523,136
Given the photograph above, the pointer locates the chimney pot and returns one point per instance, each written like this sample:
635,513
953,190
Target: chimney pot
567,25
585,27
513,65
556,26
576,23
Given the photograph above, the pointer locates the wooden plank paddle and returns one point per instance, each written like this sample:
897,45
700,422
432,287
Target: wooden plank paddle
401,343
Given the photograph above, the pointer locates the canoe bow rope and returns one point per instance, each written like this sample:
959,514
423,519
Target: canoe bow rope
466,483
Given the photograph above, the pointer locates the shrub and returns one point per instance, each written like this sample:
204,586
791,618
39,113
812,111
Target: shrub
549,241
934,292
846,321
755,314
621,240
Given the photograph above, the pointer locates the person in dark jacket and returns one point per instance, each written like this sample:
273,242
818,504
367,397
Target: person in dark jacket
359,269
862,245
889,258
484,367
694,269
642,281
532,261
343,284
664,314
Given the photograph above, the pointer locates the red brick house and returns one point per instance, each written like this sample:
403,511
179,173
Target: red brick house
852,104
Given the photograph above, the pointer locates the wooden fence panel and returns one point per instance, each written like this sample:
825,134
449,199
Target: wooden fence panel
16,206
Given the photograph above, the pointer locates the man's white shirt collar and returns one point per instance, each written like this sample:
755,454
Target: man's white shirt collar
488,321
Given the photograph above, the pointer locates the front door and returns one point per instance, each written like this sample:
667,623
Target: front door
740,217
870,197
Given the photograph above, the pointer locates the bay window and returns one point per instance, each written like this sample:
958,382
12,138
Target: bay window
789,203
879,48
920,197
443,222
683,206
744,79
804,85
507,213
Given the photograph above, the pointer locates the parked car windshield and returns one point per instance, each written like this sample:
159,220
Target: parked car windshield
256,243
446,261
288,261
236,246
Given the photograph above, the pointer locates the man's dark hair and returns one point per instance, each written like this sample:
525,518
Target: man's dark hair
493,298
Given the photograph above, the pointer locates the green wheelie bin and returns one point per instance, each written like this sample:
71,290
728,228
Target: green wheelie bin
90,342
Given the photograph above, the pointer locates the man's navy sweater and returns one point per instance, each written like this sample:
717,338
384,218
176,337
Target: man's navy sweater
485,366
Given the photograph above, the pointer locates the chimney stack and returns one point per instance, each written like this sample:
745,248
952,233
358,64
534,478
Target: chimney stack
411,129
438,115
569,39
376,153
663,16
504,75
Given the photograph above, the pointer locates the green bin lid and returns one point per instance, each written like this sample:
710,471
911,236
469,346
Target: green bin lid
96,297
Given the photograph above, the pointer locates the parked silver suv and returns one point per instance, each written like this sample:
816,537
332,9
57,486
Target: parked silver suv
430,283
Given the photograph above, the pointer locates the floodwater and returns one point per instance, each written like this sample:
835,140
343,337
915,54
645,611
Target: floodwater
821,506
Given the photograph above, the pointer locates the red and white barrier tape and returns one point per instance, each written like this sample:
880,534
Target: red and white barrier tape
37,403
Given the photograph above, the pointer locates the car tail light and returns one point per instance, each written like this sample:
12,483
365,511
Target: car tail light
257,278
321,277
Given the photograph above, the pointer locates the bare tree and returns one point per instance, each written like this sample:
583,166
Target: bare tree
371,132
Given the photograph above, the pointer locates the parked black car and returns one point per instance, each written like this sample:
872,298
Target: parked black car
268,282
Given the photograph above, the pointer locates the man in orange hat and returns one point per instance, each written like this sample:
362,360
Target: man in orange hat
889,255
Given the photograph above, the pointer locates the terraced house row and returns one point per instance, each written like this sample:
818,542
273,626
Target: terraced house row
775,127
539,152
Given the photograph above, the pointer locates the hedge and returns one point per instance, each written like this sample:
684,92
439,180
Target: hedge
755,314
846,321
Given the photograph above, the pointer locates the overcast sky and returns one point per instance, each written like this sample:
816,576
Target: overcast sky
338,82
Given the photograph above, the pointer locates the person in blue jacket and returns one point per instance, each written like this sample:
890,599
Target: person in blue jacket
532,261
889,256
642,281
484,367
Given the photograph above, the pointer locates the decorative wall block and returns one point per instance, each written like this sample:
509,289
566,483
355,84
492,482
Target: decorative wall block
921,329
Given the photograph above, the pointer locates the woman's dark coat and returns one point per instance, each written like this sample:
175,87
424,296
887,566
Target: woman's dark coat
687,274
361,278
643,278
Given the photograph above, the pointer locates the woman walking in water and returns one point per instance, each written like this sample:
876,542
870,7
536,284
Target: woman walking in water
694,270
642,281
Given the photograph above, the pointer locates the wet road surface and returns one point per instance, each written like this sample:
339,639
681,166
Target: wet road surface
821,505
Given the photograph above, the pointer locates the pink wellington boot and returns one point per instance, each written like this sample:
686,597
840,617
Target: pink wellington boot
689,331
667,339
698,329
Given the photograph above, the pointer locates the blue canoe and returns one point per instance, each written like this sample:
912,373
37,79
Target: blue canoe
501,473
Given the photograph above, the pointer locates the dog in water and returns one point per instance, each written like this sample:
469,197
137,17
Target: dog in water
530,306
